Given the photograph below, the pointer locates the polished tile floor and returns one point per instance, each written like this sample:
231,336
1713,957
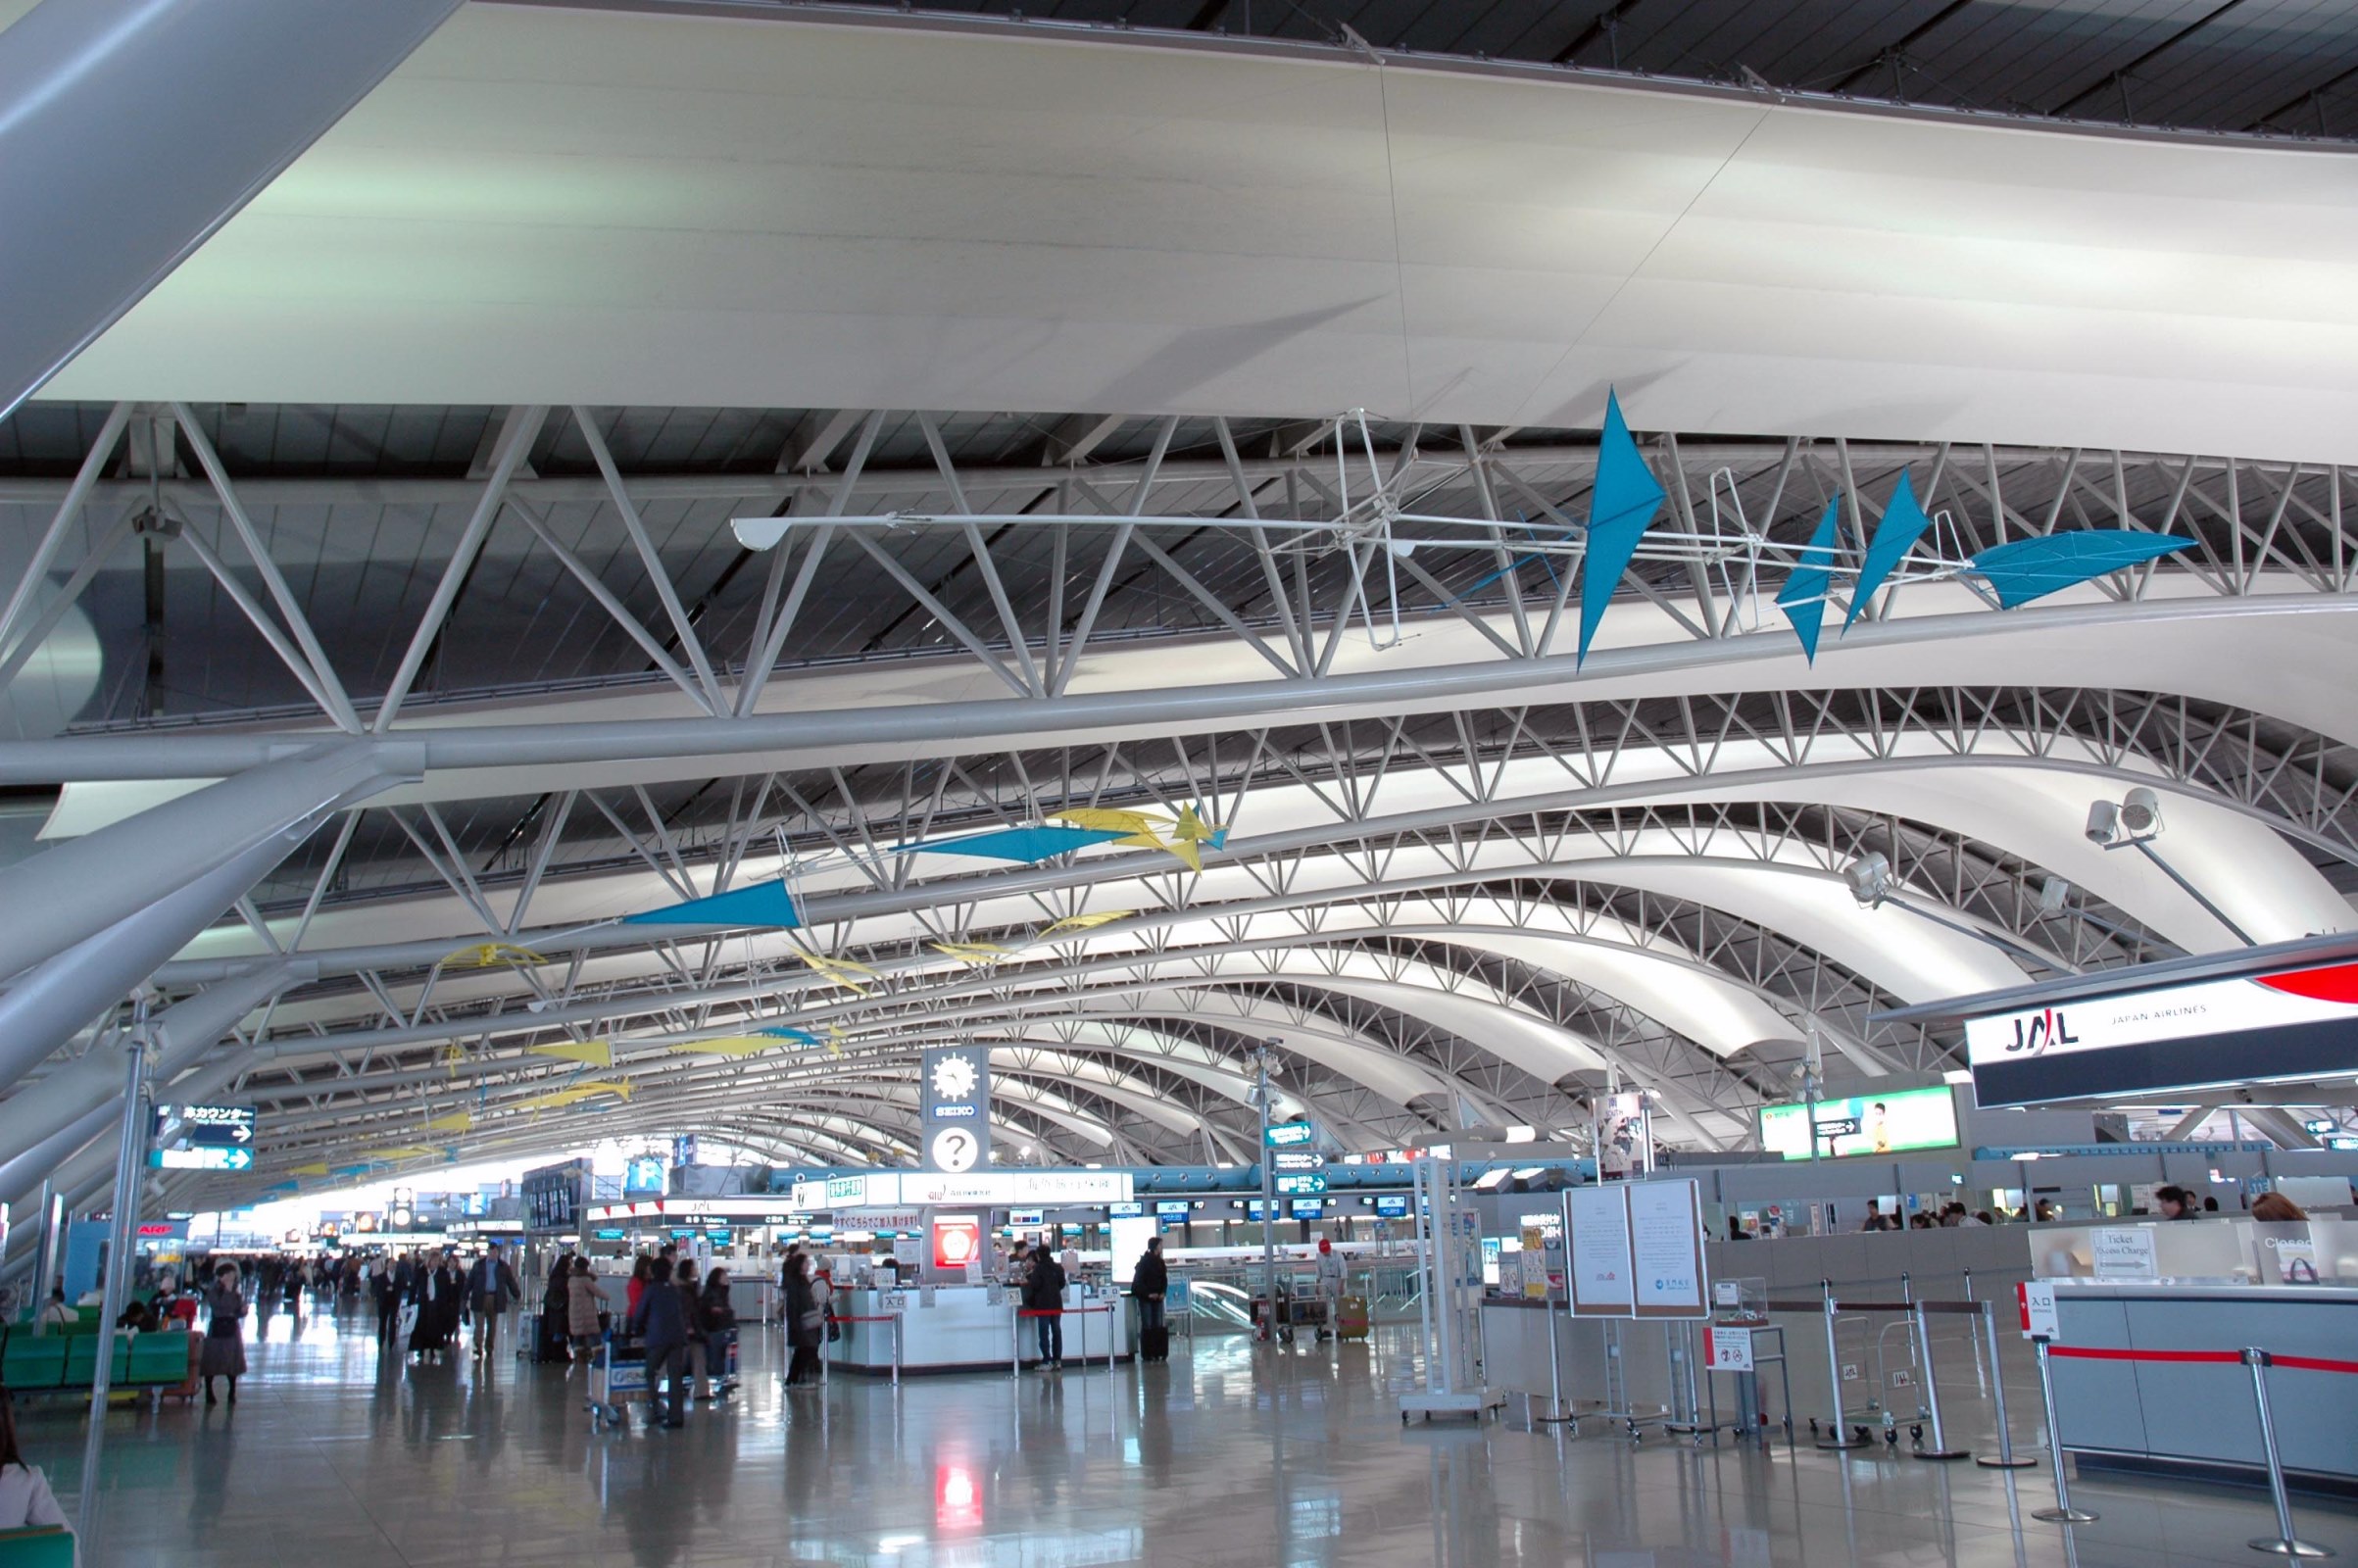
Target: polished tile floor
1227,1455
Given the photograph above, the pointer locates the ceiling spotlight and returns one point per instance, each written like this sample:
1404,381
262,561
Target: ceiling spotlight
2133,820
1870,879
2054,894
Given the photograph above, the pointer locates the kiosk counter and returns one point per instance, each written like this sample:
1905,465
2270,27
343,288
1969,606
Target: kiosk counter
960,1328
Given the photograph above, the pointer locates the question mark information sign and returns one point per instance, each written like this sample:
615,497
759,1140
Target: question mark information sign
957,1100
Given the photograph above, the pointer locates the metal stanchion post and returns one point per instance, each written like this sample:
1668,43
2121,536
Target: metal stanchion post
1837,1435
2286,1544
2005,1458
899,1334
1932,1392
2063,1513
1015,1340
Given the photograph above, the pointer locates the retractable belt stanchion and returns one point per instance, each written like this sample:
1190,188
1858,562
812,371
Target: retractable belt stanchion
1834,1438
2063,1513
1932,1382
1015,1360
2284,1543
2005,1458
894,1318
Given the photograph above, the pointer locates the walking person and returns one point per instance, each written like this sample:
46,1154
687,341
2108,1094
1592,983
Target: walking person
490,1289
692,1310
585,1309
806,1321
661,1323
387,1297
1330,1283
224,1352
719,1332
1043,1296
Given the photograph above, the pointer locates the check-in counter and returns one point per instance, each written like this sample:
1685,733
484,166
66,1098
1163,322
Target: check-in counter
962,1328
2140,1411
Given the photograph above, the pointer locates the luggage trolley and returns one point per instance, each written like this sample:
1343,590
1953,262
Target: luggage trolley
616,1372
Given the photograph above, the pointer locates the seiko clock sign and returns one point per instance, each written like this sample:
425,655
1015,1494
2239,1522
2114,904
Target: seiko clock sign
957,1100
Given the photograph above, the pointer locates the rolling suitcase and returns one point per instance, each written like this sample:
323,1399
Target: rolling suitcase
1155,1343
1351,1318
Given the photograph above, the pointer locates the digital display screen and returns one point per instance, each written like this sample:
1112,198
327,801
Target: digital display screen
1391,1205
1126,1211
1891,1123
1309,1207
1173,1208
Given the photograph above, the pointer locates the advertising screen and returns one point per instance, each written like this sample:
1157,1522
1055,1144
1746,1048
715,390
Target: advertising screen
1889,1123
957,1240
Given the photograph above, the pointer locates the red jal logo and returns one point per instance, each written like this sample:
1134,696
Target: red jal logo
2033,1036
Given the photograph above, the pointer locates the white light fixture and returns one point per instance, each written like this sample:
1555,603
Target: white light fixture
1490,1180
1870,879
1522,1134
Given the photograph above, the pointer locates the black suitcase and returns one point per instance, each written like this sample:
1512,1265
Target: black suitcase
1155,1343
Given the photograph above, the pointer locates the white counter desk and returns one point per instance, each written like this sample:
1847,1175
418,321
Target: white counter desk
963,1327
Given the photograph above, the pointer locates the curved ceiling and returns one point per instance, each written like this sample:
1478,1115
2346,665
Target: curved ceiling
546,204
1462,876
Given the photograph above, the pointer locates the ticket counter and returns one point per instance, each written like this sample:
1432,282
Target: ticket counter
962,1328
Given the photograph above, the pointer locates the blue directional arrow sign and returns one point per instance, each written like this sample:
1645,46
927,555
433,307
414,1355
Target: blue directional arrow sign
1289,1134
1301,1184
203,1157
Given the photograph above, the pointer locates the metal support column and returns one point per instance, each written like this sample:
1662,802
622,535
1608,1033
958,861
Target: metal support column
89,886
131,1164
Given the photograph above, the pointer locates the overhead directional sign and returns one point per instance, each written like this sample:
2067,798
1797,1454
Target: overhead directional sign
1290,1134
224,1126
202,1156
1302,1184
1298,1159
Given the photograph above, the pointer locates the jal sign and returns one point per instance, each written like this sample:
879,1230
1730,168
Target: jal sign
2286,1026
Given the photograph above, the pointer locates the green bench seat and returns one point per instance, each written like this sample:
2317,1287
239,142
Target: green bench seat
42,1546
33,1362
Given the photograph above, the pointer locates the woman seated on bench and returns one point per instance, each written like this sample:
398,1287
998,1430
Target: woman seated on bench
25,1496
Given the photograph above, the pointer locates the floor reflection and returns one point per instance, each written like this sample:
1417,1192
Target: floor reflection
338,1455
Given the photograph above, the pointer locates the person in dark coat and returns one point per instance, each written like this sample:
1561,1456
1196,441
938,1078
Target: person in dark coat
806,1321
491,1286
660,1321
225,1351
387,1299
1044,1294
436,1298
1150,1286
719,1332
